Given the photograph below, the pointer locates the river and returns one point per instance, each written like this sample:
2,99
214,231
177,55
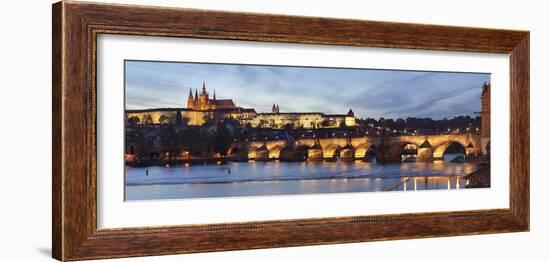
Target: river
287,178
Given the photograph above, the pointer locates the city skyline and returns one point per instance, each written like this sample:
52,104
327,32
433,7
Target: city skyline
370,93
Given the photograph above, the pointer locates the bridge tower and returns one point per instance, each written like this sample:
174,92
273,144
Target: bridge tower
485,117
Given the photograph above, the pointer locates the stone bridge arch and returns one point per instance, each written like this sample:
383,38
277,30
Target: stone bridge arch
294,153
408,149
340,141
315,153
262,153
439,151
251,153
430,147
309,142
331,151
347,152
275,151
362,150
391,152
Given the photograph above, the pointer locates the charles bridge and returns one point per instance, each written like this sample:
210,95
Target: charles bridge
385,149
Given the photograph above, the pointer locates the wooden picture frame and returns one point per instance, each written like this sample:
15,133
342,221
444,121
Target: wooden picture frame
76,26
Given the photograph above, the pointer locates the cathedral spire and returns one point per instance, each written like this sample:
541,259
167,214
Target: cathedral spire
277,108
196,94
214,98
203,88
273,109
190,100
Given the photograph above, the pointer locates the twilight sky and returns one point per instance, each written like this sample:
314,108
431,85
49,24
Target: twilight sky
370,93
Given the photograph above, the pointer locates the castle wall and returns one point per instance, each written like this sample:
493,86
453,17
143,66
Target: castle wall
195,117
278,121
297,120
154,116
242,116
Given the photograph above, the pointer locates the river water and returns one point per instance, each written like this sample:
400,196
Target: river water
287,178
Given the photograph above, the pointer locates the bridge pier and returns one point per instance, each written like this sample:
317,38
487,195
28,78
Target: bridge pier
424,158
425,152
347,153
261,154
314,154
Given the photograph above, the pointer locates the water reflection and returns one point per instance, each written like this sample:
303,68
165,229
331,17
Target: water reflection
276,178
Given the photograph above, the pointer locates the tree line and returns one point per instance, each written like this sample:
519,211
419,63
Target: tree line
170,139
458,122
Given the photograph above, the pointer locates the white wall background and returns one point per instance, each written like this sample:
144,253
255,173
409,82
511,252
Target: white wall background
25,130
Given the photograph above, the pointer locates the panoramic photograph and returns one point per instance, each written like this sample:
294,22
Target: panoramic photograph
202,130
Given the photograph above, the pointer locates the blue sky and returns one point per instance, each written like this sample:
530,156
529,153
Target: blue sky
370,93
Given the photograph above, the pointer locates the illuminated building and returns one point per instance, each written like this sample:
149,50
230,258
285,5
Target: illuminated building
307,120
201,109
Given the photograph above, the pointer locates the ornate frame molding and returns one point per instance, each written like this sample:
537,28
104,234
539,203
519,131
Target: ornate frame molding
76,26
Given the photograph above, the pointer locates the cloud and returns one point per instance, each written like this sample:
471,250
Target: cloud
369,92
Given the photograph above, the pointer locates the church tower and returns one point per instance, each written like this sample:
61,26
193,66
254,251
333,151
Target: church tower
190,100
203,98
196,100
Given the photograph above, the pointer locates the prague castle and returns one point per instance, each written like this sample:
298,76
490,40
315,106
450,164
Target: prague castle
308,120
203,102
201,109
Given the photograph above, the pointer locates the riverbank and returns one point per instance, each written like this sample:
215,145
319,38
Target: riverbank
164,162
479,178
223,160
